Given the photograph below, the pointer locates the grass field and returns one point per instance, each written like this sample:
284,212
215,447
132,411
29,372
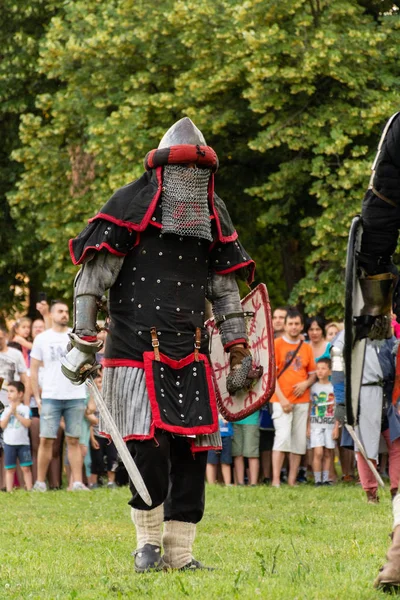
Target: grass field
301,543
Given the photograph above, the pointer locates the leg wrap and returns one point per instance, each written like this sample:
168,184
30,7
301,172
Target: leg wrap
178,540
148,525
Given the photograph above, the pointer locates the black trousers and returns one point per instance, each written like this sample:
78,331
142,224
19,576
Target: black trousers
173,475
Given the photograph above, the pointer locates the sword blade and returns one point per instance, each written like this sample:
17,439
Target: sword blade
120,445
361,448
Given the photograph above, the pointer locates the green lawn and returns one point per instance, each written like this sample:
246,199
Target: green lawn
302,543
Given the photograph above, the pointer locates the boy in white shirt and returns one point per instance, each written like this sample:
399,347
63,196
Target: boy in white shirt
15,422
321,423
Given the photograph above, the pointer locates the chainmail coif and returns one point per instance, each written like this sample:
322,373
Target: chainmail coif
185,202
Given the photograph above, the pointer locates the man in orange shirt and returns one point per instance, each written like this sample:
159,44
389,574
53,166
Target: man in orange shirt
295,369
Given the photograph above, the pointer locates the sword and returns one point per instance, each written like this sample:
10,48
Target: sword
120,445
361,448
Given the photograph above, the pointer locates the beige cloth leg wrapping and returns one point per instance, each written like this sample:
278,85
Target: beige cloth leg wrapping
148,525
178,540
396,511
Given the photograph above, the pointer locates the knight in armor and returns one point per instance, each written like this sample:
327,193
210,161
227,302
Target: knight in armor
381,222
162,245
378,279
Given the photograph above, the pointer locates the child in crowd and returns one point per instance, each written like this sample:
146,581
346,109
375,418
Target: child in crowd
321,423
246,444
224,457
21,337
267,435
15,422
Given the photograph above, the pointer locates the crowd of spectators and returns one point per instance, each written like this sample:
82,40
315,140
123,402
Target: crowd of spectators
49,427
296,437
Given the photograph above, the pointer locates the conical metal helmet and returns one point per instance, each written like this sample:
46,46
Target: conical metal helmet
183,131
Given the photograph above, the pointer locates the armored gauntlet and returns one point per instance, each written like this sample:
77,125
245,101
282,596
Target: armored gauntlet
80,361
243,374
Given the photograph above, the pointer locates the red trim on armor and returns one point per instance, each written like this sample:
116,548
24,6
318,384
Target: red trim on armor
88,248
122,362
111,219
250,278
221,237
149,159
141,438
178,364
182,154
146,219
156,224
195,449
126,438
229,345
138,438
270,374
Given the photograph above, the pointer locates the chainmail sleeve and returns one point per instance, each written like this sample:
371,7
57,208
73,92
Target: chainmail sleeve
223,293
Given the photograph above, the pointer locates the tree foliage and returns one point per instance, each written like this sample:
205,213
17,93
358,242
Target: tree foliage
291,94
21,28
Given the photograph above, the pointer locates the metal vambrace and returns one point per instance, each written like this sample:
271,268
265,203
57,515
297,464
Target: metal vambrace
223,293
229,317
85,315
80,360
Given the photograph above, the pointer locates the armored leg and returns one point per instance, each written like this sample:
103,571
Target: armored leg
376,314
376,271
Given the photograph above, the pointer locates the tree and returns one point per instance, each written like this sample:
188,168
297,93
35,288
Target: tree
322,91
21,27
123,84
291,94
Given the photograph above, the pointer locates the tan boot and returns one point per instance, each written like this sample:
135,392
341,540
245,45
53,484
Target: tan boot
148,525
389,575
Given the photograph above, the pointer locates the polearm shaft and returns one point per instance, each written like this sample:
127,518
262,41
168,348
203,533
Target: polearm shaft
120,445
361,448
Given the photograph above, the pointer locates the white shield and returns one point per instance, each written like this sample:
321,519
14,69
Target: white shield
257,311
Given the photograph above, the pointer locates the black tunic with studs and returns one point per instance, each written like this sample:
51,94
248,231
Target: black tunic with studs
162,284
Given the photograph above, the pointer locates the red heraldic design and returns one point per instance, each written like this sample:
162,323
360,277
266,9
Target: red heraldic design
257,309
